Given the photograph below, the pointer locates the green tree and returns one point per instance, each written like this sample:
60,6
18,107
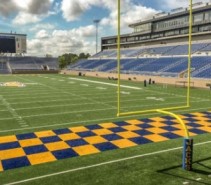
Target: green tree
70,58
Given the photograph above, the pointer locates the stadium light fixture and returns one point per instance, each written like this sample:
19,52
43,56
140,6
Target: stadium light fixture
96,21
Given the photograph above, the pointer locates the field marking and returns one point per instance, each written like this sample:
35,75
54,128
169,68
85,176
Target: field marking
32,83
103,164
105,83
155,98
85,85
66,105
85,111
28,94
124,92
96,120
35,97
67,92
12,111
101,88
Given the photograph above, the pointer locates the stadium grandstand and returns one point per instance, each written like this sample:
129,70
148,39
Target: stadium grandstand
13,48
158,47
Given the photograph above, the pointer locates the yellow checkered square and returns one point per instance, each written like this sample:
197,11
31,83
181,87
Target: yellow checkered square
85,150
12,153
108,125
205,128
156,138
127,134
30,142
61,145
157,130
70,136
41,158
95,139
124,143
182,133
47,133
102,131
131,128
7,139
134,122
79,129
1,168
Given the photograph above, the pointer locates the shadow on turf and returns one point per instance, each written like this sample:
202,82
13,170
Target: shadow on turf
207,172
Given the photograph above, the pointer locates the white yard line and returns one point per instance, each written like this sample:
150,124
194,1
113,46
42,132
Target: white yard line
96,120
29,94
103,164
12,111
76,95
64,105
105,83
93,110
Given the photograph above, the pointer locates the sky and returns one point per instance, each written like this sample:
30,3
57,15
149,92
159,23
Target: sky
66,26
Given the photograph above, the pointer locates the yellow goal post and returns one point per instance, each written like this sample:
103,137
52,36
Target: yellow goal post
119,113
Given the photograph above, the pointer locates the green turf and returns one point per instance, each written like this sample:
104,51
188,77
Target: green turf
55,101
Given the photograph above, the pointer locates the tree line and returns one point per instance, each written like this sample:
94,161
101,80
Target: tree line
70,58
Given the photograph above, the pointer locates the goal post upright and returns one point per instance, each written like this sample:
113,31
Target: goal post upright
188,142
118,55
187,104
189,50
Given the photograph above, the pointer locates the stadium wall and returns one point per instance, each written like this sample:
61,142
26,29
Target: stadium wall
199,83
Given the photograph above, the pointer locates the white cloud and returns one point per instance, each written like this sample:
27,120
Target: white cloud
130,12
58,42
31,10
74,8
26,18
42,34
7,8
41,26
172,4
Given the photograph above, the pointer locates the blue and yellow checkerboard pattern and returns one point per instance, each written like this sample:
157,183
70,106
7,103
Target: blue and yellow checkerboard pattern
46,146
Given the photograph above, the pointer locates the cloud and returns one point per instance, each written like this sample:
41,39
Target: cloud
31,10
58,42
74,8
7,8
39,7
42,34
169,4
26,18
42,26
130,12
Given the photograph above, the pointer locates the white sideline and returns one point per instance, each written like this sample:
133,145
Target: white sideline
102,164
91,81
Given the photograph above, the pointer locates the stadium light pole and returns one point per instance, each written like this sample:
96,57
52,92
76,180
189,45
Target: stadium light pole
190,50
96,21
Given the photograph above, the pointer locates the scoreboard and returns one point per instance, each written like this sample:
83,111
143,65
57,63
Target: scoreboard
12,43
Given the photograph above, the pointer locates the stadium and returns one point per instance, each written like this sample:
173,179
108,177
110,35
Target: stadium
137,112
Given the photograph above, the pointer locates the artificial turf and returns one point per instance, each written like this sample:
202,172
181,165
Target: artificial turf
56,101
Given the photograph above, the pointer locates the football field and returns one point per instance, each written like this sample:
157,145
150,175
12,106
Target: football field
51,102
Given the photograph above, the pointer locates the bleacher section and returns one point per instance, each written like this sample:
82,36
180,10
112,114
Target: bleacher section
162,61
4,68
28,64
173,50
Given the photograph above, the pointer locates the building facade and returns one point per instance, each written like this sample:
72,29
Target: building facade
166,28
